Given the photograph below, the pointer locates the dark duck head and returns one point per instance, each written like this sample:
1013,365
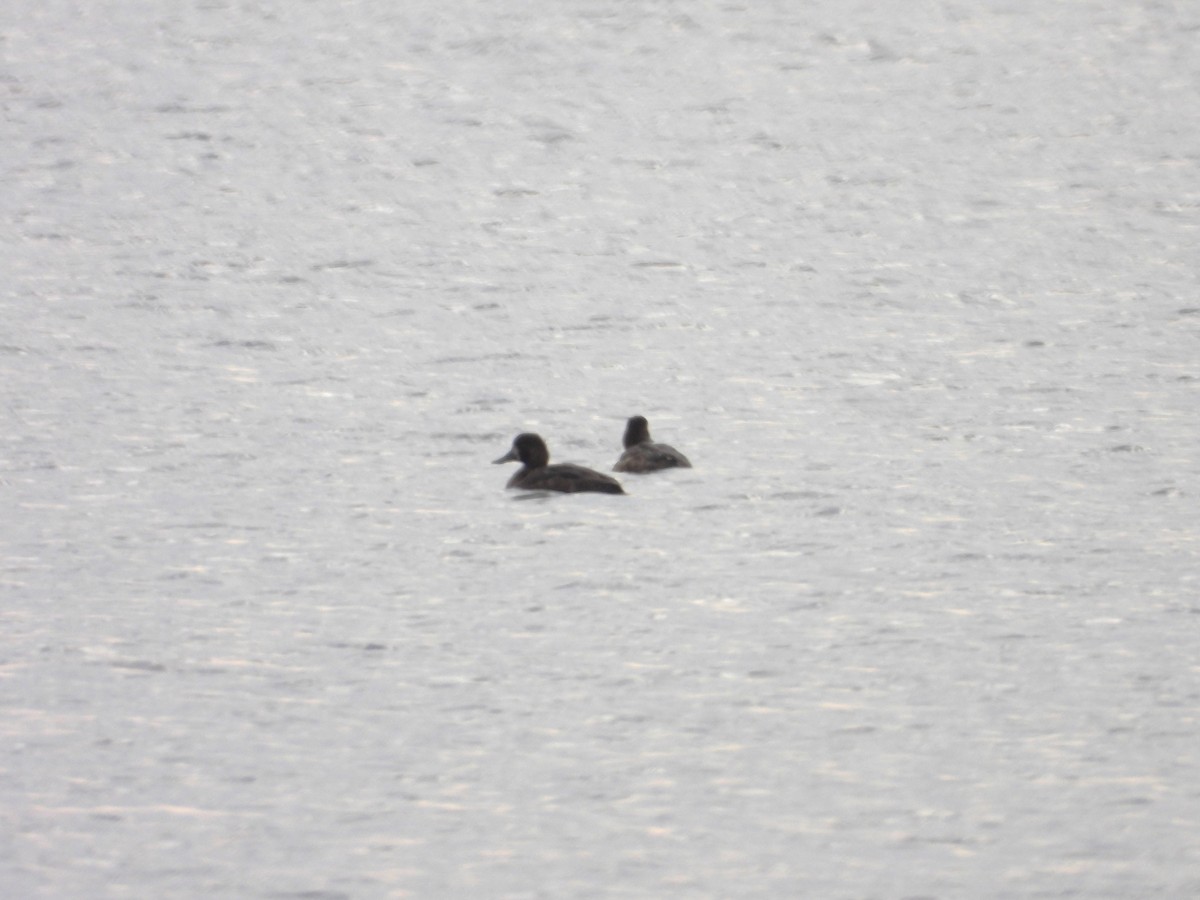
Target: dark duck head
536,473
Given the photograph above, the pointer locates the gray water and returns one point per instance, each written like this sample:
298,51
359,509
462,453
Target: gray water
915,287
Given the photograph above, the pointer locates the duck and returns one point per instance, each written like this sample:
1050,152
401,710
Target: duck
643,455
536,473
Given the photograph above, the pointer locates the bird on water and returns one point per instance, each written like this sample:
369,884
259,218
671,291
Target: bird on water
536,473
643,455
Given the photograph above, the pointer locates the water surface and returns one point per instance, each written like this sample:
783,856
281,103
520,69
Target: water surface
914,289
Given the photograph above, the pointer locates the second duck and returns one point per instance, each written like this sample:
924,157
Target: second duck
643,455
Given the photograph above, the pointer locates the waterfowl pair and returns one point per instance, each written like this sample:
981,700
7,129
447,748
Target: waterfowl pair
641,455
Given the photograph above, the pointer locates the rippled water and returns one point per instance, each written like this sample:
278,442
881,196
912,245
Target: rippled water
914,287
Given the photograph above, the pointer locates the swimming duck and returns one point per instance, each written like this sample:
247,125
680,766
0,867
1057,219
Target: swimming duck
643,455
536,474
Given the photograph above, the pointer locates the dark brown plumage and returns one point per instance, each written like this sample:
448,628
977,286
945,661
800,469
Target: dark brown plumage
643,455
536,473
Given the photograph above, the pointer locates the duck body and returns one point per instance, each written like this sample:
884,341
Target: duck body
536,473
643,455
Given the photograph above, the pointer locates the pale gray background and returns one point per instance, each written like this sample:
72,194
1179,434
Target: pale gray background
915,287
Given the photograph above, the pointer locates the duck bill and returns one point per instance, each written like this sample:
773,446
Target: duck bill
510,456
